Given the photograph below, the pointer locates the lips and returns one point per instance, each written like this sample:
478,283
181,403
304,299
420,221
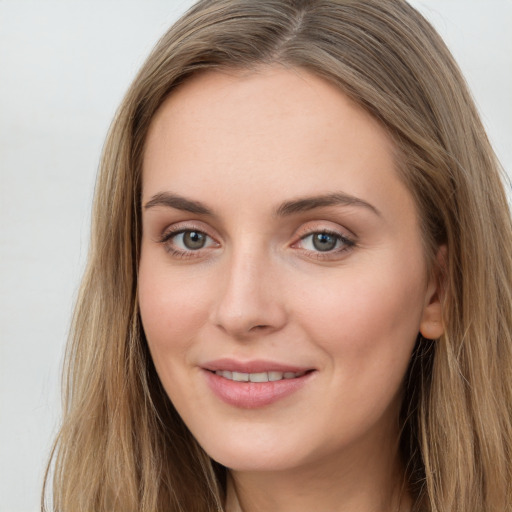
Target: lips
254,384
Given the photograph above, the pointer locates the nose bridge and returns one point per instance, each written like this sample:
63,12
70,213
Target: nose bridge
249,298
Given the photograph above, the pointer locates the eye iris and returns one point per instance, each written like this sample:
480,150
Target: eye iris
324,242
194,239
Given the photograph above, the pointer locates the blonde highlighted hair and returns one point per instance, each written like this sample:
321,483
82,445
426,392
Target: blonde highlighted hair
122,446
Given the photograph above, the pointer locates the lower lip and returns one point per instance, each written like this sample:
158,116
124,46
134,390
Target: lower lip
251,395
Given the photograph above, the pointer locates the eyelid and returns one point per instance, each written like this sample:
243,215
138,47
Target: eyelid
332,228
347,238
335,234
182,227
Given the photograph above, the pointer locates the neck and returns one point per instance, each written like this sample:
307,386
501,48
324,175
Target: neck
369,479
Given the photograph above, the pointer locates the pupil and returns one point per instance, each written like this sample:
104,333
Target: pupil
324,242
194,239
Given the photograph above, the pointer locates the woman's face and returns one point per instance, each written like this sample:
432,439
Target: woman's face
282,280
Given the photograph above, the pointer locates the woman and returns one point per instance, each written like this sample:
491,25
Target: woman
298,294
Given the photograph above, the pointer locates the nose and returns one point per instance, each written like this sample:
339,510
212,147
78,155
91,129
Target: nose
250,301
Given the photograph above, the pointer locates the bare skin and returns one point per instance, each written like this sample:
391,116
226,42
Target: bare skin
277,232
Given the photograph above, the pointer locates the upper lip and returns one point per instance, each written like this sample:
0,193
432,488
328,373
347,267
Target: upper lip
252,366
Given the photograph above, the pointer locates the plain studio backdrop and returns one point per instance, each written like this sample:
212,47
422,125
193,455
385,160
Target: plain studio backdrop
64,67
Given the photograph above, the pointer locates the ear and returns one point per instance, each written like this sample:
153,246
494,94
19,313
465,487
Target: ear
431,325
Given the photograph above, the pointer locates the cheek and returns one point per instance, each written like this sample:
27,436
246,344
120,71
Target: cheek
172,308
367,319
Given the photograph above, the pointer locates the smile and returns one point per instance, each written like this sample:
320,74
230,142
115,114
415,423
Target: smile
271,376
254,384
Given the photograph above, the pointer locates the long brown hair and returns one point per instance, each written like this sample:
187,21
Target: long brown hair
122,446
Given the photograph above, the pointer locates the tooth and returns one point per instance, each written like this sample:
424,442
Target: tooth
258,377
271,376
240,377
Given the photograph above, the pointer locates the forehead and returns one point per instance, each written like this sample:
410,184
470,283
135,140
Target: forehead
269,132
242,97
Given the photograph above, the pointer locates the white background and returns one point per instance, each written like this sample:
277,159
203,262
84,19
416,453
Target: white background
64,66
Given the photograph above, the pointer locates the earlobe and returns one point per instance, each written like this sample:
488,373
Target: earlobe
431,326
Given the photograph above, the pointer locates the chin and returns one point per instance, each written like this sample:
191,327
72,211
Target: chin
247,455
255,462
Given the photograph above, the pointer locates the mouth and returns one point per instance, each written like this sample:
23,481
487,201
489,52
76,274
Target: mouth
254,384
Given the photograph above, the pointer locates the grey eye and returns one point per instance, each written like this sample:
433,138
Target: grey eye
193,240
324,241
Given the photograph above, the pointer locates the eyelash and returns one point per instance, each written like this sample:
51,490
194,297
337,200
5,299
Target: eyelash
346,243
167,237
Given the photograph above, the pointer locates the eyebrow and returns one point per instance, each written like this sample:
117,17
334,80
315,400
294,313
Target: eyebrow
177,202
287,208
310,203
